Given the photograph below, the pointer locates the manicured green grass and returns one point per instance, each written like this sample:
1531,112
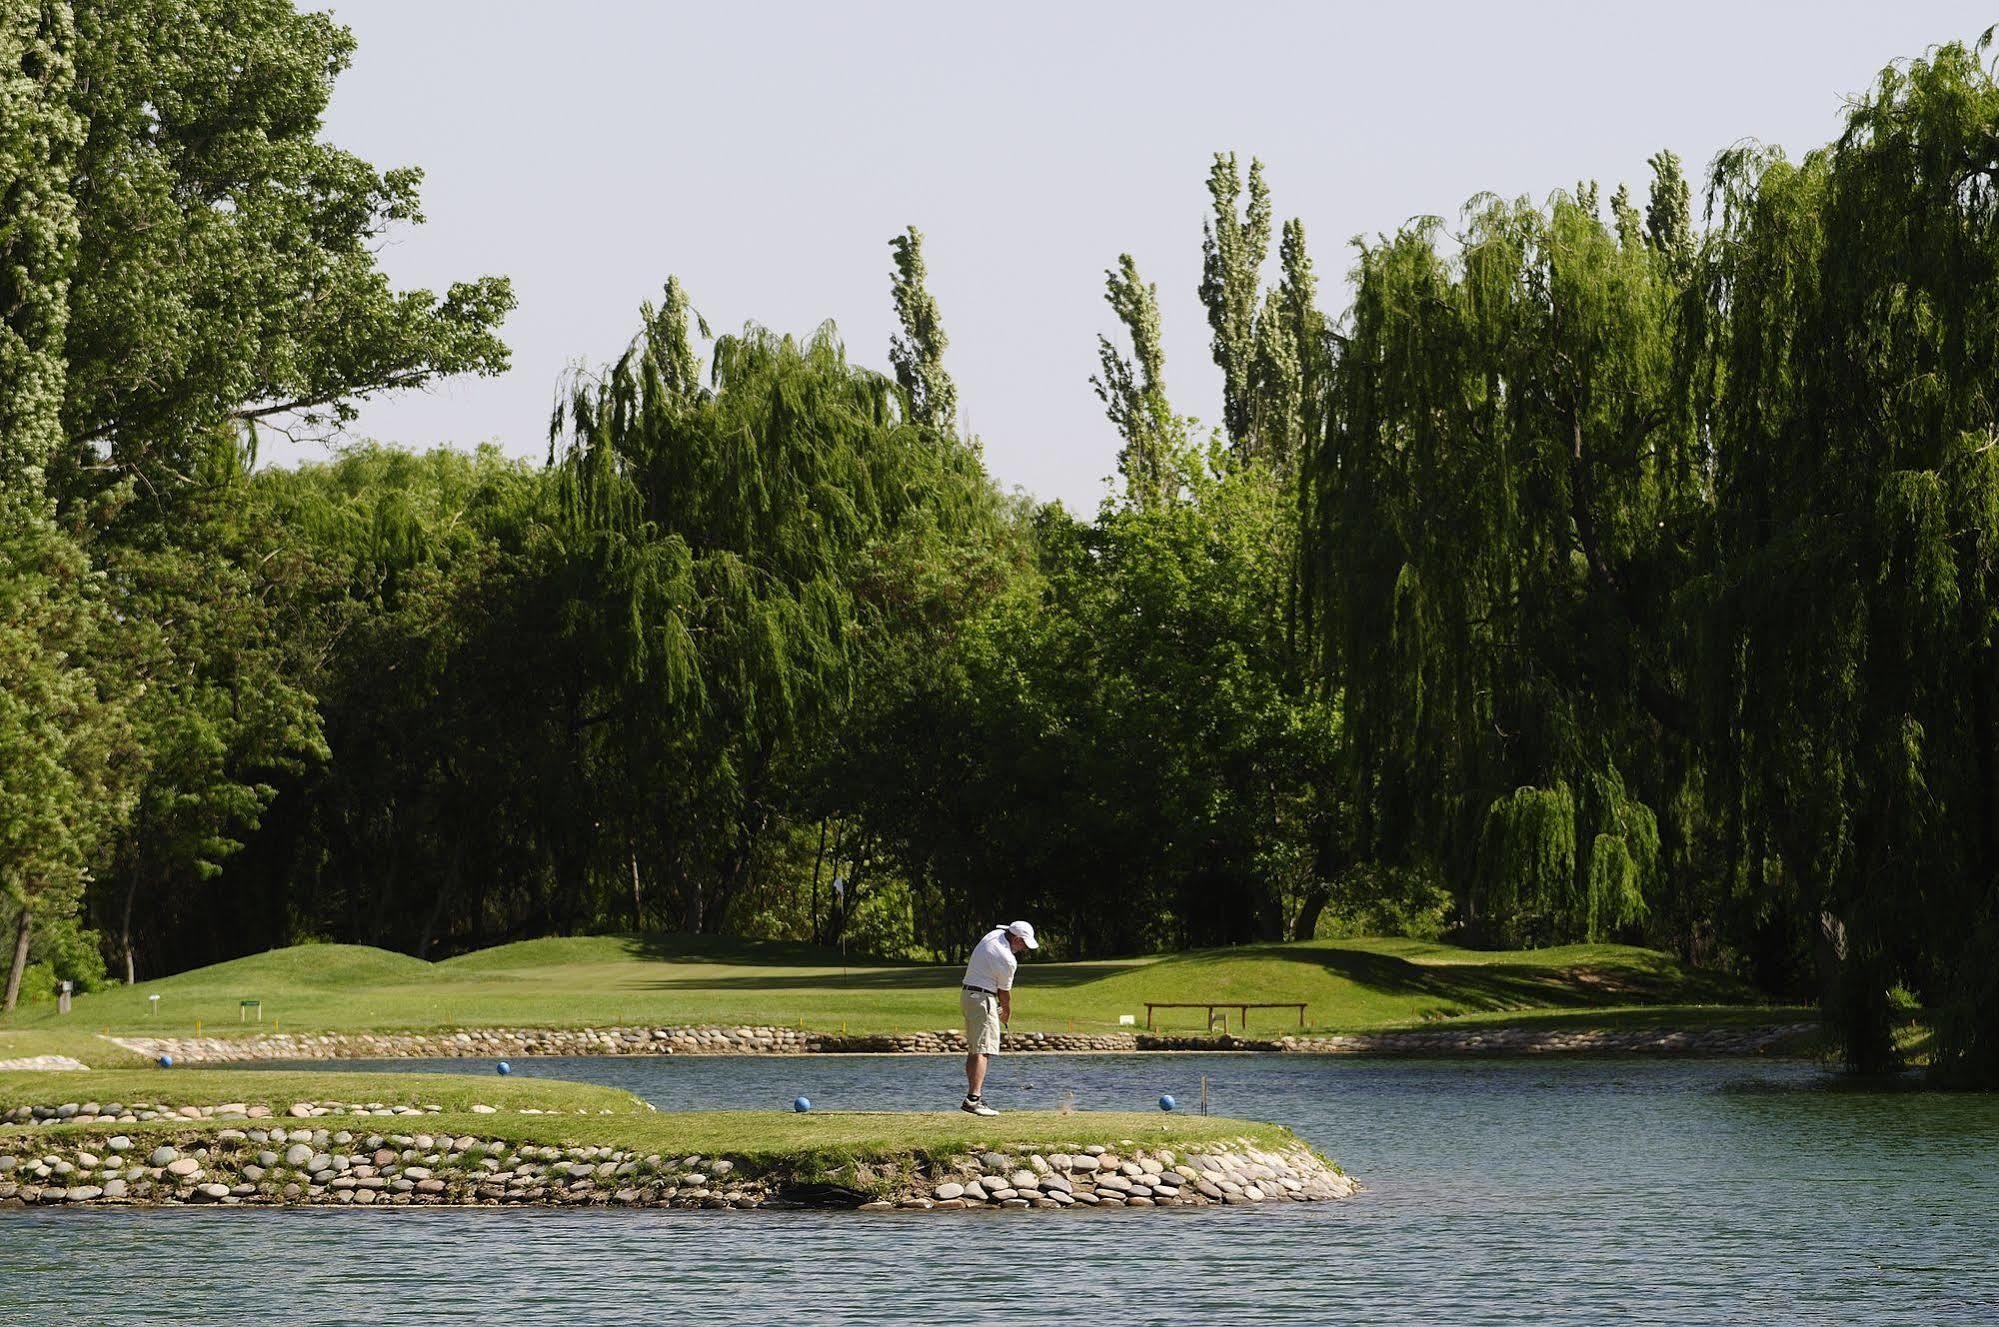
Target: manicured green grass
770,1136
1627,1018
581,1113
1349,985
66,1037
278,1089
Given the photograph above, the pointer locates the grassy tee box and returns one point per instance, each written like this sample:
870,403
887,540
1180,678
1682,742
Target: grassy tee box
280,1089
582,1113
768,1136
1349,985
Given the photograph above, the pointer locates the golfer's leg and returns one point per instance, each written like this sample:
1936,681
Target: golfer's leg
975,1073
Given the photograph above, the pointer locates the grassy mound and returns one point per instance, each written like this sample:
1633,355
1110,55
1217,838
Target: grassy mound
1349,985
330,966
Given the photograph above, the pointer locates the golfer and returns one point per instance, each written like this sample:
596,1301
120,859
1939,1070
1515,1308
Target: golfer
988,1003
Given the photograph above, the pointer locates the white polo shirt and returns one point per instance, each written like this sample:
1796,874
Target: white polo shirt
993,963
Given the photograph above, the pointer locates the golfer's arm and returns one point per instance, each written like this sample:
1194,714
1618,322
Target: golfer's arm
1006,1006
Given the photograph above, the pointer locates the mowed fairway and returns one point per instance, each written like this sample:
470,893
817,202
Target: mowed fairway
1348,985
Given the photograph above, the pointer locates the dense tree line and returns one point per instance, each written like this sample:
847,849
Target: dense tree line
1605,570
1654,568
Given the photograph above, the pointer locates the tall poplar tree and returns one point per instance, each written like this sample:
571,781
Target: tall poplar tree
918,353
1133,389
1291,356
1235,241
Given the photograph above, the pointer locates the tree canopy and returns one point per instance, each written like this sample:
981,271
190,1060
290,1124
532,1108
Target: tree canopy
1600,570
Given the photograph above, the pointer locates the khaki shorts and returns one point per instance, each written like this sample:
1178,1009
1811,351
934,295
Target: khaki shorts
982,1021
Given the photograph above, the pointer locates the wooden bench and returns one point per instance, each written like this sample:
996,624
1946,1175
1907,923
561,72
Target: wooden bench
1242,1009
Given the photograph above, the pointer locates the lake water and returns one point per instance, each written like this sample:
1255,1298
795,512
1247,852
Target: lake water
1586,1191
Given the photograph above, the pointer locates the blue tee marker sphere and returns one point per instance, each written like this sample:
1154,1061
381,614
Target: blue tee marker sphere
802,1104
166,1062
503,1068
1167,1102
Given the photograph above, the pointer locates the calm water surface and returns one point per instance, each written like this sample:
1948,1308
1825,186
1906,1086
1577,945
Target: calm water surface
1519,1192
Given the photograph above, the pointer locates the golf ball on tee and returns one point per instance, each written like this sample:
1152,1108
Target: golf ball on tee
1167,1102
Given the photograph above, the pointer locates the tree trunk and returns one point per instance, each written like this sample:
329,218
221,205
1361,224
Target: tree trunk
1306,924
638,898
852,893
818,860
20,961
449,888
125,929
1829,949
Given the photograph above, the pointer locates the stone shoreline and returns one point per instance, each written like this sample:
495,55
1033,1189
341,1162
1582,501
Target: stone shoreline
259,1166
514,1043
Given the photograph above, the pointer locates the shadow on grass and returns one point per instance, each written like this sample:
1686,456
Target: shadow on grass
1661,1017
1459,987
862,972
680,947
926,978
1444,989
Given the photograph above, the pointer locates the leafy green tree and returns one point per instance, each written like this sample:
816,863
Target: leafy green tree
1112,737
222,709
223,273
918,354
1235,241
717,537
1133,389
39,133
184,261
1852,304
64,744
1669,213
425,622
1291,356
63,741
1499,515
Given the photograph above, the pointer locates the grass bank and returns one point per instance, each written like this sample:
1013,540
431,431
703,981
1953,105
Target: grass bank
1348,986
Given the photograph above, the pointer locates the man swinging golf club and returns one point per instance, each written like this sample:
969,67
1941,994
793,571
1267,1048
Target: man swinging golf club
987,1000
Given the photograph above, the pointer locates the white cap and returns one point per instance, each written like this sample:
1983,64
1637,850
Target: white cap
1025,932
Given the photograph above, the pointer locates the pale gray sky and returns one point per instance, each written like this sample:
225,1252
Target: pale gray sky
767,152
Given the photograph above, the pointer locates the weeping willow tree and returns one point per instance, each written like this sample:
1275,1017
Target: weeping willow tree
716,536
1852,348
1499,510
